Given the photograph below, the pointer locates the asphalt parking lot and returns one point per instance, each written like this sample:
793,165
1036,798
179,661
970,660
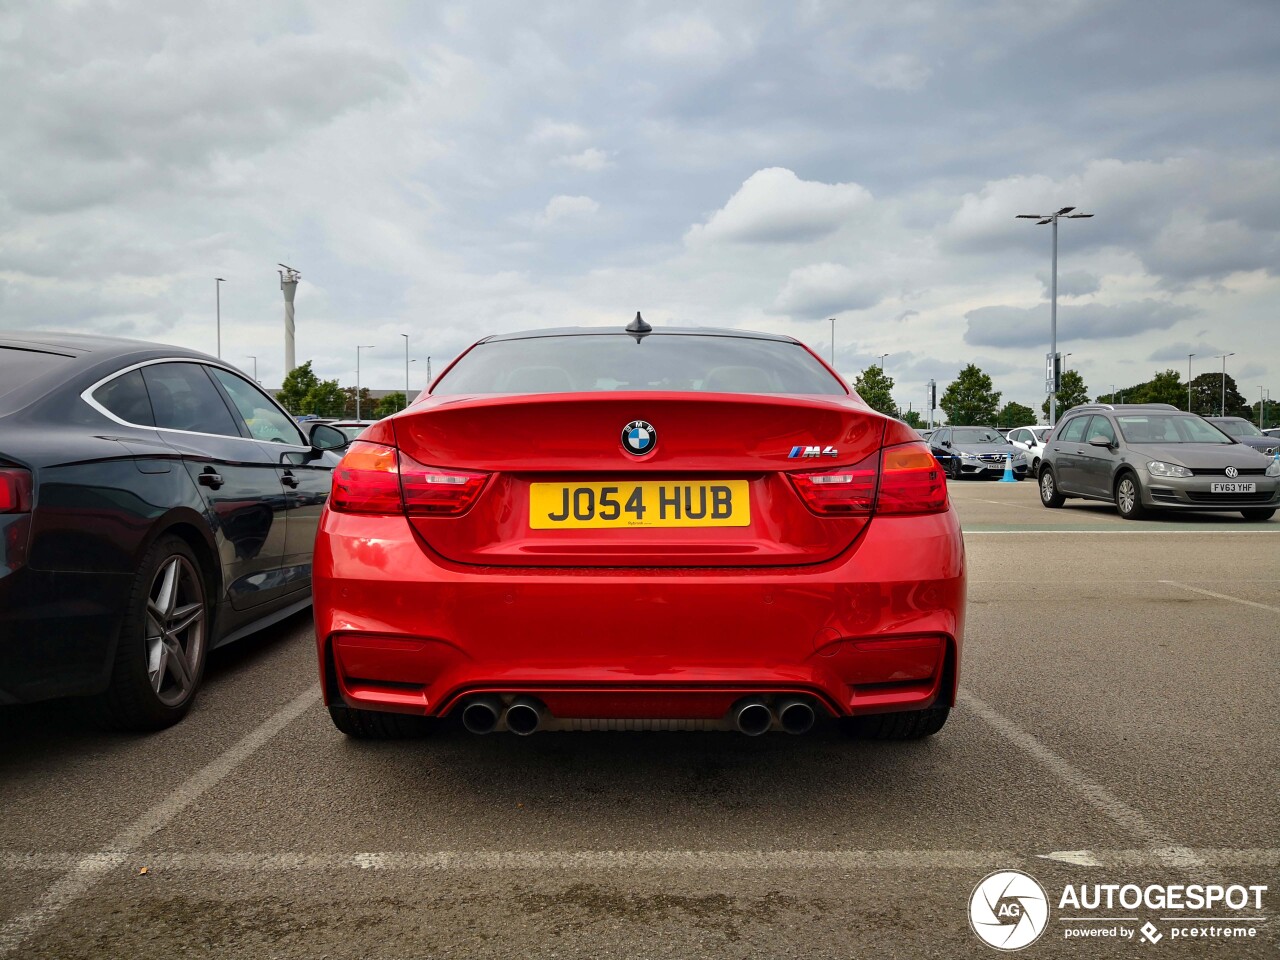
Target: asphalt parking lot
1117,724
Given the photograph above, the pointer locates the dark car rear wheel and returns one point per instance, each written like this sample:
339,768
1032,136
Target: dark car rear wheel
1258,513
1049,495
163,642
1129,498
905,725
377,725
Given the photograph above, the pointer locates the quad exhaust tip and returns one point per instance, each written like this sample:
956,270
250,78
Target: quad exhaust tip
796,716
524,716
481,714
752,717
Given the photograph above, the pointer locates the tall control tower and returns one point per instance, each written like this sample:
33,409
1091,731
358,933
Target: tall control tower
289,278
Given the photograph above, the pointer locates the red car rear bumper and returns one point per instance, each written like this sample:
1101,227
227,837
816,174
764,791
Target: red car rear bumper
877,629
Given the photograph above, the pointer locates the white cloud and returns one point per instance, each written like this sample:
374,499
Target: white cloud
590,160
1006,326
776,206
823,289
898,71
557,133
564,209
679,36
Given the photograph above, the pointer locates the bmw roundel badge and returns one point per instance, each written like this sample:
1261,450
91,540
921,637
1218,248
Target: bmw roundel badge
639,437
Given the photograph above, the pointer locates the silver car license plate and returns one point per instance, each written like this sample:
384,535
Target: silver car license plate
1232,487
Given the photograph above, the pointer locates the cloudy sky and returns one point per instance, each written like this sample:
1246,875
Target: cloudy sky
454,170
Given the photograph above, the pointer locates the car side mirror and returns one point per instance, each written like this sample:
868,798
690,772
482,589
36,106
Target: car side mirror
946,443
1099,441
1032,443
324,437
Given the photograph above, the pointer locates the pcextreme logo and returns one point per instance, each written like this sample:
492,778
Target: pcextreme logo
1008,910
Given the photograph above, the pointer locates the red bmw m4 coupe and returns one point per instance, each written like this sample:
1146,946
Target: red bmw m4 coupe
639,528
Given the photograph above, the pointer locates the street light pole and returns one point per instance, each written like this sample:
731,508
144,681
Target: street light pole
217,293
406,369
882,356
1054,374
363,346
1189,356
1223,410
255,366
833,343
428,371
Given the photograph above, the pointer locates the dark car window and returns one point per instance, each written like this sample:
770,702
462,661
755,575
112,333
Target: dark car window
1073,432
1169,428
184,398
975,435
1237,428
19,367
126,397
1101,427
604,362
263,418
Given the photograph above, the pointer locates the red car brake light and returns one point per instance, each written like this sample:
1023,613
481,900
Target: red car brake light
435,492
911,481
367,480
842,492
376,478
15,490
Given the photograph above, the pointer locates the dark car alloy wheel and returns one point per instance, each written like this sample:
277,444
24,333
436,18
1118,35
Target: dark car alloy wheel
160,653
1129,498
1049,495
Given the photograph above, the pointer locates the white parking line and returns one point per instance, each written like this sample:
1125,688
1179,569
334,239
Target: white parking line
86,871
1166,851
736,861
1222,596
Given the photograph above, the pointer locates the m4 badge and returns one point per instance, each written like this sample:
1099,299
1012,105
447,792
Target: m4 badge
812,453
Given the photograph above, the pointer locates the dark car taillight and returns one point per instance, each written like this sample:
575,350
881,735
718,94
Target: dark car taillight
376,478
909,478
15,490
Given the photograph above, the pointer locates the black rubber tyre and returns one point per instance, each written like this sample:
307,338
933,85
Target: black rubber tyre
1049,495
1258,513
953,469
145,692
904,725
1128,497
378,725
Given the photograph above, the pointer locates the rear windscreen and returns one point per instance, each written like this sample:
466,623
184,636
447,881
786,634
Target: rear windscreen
605,362
20,367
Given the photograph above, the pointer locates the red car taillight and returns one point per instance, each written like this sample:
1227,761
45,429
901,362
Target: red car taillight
842,492
15,490
910,481
375,478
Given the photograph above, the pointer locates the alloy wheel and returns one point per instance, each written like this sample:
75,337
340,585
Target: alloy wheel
175,630
1046,486
1126,495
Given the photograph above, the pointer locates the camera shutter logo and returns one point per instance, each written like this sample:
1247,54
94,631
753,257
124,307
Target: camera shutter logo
1008,910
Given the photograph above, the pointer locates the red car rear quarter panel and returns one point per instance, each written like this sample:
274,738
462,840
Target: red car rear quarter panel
406,629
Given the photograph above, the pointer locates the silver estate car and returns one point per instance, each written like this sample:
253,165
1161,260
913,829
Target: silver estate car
1145,457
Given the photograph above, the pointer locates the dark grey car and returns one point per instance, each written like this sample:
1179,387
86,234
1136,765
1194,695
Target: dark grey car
976,452
1244,431
1144,457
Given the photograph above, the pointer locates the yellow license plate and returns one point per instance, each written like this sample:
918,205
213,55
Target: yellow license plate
557,506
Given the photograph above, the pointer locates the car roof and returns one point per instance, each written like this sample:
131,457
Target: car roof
657,332
84,344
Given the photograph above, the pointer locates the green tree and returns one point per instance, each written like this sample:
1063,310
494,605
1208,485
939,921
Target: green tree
298,382
1270,416
875,387
969,399
325,399
1015,415
391,403
1206,396
913,419
367,403
1072,394
1166,387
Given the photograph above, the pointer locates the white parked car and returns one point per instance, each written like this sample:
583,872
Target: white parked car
1031,441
